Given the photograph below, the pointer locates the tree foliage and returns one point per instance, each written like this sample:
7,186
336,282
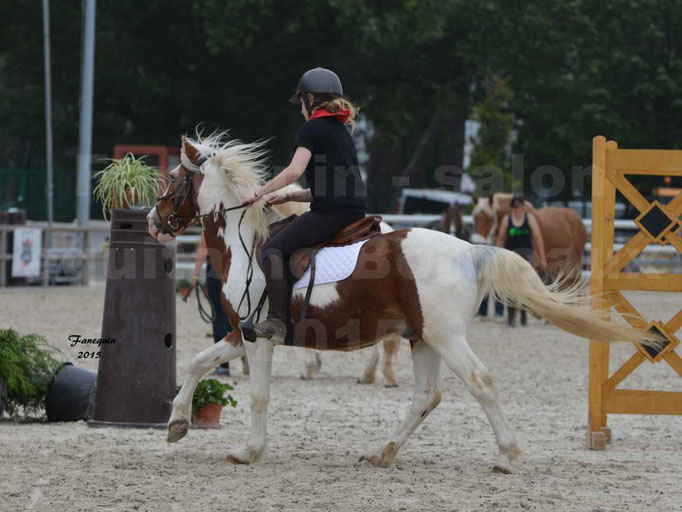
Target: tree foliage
491,143
577,68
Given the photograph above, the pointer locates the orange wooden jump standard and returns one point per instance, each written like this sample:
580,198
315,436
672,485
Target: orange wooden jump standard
658,224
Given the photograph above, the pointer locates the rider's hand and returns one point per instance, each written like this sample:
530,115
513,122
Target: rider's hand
252,198
277,199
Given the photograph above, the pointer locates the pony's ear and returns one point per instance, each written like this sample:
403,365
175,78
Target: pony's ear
189,150
490,199
474,199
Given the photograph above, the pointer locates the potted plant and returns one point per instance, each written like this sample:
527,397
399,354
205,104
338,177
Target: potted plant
208,402
27,366
126,182
182,286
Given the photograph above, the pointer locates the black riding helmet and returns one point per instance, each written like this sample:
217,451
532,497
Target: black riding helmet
317,81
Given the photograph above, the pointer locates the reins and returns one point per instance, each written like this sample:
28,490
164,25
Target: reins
173,222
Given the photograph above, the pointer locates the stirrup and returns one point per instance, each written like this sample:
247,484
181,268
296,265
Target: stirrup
247,326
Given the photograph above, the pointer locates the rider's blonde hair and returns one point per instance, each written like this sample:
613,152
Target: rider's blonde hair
334,105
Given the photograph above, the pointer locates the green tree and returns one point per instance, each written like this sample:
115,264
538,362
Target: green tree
491,143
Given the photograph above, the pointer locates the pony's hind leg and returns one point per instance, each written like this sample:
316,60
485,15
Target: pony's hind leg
312,362
390,346
369,374
479,381
203,362
260,363
426,364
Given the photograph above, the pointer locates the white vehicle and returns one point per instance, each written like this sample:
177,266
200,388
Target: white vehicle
425,200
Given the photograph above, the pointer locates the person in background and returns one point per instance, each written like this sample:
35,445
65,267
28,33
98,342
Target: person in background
519,232
221,325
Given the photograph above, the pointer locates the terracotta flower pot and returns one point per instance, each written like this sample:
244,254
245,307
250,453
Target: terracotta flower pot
208,416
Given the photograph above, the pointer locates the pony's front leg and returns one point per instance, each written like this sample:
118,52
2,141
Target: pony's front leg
180,419
259,355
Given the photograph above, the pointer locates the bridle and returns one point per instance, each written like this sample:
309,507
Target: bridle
174,221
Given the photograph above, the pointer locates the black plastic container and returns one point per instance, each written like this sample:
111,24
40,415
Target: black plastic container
70,394
136,377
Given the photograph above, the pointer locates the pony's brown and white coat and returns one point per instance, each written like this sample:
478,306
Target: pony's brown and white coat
419,283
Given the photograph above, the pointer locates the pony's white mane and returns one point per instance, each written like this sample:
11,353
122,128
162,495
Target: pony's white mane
237,168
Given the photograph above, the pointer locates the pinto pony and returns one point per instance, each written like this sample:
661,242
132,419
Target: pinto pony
417,283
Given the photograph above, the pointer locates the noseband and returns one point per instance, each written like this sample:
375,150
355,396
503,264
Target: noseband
178,200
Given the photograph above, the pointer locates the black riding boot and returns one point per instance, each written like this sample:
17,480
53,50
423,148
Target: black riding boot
275,326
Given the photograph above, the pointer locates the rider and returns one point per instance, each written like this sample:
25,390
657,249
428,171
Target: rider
519,232
326,153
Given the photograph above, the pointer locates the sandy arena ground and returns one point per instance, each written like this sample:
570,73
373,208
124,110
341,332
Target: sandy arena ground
318,429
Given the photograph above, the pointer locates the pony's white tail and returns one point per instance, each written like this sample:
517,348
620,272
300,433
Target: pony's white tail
508,277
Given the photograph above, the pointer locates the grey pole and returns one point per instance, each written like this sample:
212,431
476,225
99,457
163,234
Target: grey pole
49,190
85,136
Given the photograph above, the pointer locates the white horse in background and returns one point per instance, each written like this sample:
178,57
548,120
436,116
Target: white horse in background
416,283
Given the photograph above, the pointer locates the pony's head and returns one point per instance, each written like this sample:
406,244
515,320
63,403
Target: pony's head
483,216
214,173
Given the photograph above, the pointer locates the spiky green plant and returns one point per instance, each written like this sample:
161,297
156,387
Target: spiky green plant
27,363
126,182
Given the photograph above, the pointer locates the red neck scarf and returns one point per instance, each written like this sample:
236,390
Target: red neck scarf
340,116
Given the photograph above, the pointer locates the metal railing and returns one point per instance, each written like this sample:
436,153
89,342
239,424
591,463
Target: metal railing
79,257
84,255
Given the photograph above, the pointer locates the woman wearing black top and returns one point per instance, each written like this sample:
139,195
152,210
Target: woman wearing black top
519,232
326,153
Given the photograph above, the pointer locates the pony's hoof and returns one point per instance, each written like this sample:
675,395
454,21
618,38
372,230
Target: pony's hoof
246,455
372,459
177,430
391,385
366,380
238,457
502,470
383,459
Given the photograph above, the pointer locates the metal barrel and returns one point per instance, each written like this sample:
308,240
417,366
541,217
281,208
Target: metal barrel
136,377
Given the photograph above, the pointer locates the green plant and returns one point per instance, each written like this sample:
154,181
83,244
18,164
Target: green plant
126,182
27,363
212,391
182,284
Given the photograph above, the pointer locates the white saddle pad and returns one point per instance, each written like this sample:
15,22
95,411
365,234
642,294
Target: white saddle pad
332,264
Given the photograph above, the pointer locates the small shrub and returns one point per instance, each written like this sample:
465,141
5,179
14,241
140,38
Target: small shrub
212,391
27,363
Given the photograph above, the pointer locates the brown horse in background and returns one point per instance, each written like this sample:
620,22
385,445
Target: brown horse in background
562,229
451,222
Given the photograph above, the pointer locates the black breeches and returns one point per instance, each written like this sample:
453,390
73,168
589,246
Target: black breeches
307,230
